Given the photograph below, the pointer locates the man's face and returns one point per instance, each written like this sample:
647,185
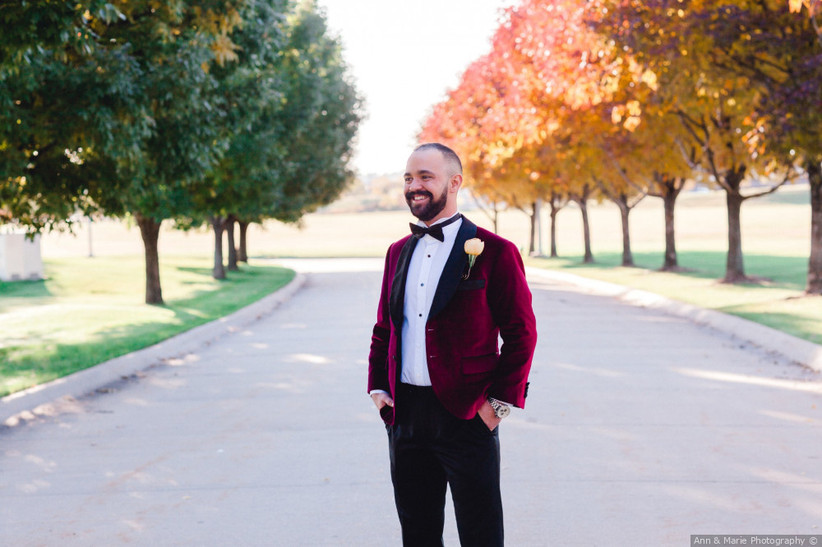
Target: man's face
426,184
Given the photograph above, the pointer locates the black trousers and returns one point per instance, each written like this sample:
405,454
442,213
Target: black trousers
431,448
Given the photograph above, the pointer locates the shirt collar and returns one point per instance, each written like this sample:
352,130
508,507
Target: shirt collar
449,232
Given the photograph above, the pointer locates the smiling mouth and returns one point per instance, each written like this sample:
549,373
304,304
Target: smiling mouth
418,197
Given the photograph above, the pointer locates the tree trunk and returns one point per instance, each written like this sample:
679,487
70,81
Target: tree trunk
557,203
150,232
554,212
582,200
242,252
586,230
624,211
669,200
815,261
533,234
232,249
734,268
218,225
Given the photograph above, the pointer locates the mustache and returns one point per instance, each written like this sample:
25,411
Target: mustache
410,195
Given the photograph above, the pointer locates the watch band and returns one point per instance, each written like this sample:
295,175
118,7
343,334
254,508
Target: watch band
501,410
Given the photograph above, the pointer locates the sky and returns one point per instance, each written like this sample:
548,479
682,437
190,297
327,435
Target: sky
404,55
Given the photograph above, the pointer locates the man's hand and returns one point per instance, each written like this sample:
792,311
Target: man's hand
486,412
382,399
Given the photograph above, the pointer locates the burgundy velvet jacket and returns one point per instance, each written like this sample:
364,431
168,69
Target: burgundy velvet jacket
466,319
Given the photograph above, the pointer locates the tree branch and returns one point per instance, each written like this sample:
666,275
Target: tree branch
788,177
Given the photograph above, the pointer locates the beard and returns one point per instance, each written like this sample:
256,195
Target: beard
431,208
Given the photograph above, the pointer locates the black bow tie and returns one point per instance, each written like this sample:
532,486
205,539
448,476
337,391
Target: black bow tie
434,231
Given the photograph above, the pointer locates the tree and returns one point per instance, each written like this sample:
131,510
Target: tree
467,121
781,52
625,198
289,119
175,46
250,94
319,120
66,96
136,106
510,102
295,156
677,41
517,180
662,177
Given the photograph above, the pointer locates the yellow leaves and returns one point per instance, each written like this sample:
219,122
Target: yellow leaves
754,139
814,6
632,123
220,25
224,49
630,112
649,78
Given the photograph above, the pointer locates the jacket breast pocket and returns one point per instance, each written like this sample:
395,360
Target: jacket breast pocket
471,284
479,366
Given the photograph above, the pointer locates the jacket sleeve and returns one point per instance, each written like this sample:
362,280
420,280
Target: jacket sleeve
510,301
380,337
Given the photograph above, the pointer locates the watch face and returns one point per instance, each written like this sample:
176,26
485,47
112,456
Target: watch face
502,411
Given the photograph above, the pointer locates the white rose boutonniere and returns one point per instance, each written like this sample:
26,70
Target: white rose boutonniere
473,248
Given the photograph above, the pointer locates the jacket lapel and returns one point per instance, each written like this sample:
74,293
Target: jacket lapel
398,283
454,266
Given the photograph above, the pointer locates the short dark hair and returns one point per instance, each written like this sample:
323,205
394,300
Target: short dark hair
451,157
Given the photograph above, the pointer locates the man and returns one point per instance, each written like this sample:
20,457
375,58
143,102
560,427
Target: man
436,373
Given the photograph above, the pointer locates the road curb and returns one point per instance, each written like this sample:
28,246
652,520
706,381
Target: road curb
772,340
45,399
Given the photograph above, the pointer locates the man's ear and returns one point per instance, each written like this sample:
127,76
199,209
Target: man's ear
455,183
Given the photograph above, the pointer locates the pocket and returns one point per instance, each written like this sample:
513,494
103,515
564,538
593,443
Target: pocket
387,414
471,284
479,365
480,426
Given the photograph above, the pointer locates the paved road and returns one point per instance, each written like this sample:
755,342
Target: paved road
641,429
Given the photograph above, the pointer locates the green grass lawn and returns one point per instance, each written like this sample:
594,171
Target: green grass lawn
89,310
775,300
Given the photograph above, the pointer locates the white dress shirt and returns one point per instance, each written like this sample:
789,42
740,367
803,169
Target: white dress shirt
424,271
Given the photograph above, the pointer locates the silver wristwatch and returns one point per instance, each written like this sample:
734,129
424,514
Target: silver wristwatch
501,410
